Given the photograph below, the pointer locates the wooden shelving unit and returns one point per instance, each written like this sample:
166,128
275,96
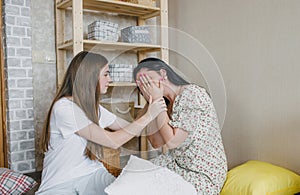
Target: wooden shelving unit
77,43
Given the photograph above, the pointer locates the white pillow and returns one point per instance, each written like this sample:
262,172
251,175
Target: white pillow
140,176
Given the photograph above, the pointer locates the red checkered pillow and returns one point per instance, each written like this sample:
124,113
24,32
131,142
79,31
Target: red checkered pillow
14,183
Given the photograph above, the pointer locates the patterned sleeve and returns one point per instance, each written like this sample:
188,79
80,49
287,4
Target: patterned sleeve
189,109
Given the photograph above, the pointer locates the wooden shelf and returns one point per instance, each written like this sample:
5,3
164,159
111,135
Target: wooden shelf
90,44
78,43
122,84
115,6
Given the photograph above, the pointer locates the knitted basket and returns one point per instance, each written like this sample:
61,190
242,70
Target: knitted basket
108,156
103,30
136,34
111,161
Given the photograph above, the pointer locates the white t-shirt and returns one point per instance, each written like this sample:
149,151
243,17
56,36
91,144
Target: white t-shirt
65,160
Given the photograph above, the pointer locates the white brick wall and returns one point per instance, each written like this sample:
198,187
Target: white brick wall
18,58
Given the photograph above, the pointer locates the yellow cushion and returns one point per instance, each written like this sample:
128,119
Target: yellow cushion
260,178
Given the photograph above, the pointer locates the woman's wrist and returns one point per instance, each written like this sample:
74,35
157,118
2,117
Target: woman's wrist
156,97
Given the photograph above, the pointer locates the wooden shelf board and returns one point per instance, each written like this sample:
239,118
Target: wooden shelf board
122,84
94,44
66,45
115,6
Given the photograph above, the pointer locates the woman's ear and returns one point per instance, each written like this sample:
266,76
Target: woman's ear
163,72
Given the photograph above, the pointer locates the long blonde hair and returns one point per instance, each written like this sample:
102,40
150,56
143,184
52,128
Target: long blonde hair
81,81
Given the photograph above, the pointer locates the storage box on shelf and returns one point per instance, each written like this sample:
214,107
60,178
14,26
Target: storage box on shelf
121,72
136,34
108,156
103,31
111,160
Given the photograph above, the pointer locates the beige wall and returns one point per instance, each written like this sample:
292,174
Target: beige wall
256,45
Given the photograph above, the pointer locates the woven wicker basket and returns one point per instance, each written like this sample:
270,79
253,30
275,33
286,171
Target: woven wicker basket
103,30
109,157
136,34
111,161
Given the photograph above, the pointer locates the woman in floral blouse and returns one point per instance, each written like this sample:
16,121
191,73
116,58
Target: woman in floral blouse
189,128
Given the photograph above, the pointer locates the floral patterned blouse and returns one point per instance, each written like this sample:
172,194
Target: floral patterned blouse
201,158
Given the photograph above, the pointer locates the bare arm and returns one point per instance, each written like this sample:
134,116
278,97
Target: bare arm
173,137
119,123
162,133
154,135
166,134
115,139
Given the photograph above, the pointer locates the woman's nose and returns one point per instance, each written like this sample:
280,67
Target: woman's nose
109,79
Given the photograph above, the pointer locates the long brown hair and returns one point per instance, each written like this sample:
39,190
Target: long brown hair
81,81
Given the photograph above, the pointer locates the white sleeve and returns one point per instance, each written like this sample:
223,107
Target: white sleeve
69,118
106,118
